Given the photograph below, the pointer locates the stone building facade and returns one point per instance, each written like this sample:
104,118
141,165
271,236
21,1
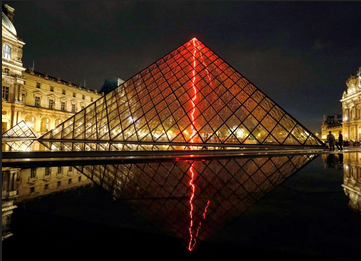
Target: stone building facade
331,123
351,108
42,101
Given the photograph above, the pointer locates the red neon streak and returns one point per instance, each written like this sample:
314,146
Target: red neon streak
193,239
194,89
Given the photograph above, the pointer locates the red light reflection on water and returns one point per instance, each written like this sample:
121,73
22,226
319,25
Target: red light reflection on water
194,235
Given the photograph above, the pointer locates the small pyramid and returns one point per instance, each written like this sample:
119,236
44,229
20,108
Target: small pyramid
190,96
20,135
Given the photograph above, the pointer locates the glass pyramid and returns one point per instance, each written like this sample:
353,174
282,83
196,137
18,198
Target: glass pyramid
190,97
192,200
19,137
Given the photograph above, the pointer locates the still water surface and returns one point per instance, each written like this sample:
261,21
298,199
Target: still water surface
288,207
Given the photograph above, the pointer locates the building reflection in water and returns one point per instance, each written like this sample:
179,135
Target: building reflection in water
19,185
352,179
334,161
187,199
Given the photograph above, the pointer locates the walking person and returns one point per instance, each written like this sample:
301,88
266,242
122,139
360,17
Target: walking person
331,140
340,141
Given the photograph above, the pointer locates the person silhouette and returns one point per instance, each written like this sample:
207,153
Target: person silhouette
340,141
331,140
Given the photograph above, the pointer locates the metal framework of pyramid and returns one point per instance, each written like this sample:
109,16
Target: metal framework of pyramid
20,137
194,199
190,97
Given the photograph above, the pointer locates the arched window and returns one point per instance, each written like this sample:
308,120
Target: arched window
30,121
45,122
6,51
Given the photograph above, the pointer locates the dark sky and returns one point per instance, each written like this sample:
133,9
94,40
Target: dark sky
299,53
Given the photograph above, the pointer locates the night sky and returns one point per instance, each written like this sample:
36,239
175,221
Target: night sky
299,53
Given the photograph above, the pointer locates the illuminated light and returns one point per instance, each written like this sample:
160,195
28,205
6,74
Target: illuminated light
194,89
192,237
240,133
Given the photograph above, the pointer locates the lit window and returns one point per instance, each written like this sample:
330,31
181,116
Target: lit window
33,173
5,93
37,101
7,51
51,104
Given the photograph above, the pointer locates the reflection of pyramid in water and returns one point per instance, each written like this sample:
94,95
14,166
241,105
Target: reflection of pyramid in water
22,134
193,199
189,96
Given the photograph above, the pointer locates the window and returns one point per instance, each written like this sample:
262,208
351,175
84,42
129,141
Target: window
7,71
62,106
51,104
83,97
59,170
73,108
23,96
7,51
74,95
70,168
38,85
33,173
5,93
51,88
69,181
46,186
58,184
91,99
37,101
64,92
32,189
47,171
79,179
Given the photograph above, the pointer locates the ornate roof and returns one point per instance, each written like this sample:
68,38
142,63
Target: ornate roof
8,24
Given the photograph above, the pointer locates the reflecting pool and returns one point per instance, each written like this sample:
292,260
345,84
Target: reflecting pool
288,207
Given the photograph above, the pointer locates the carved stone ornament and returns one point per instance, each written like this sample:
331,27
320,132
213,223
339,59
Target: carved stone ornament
351,82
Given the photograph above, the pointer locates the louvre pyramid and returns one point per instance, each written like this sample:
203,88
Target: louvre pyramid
190,96
192,200
21,136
